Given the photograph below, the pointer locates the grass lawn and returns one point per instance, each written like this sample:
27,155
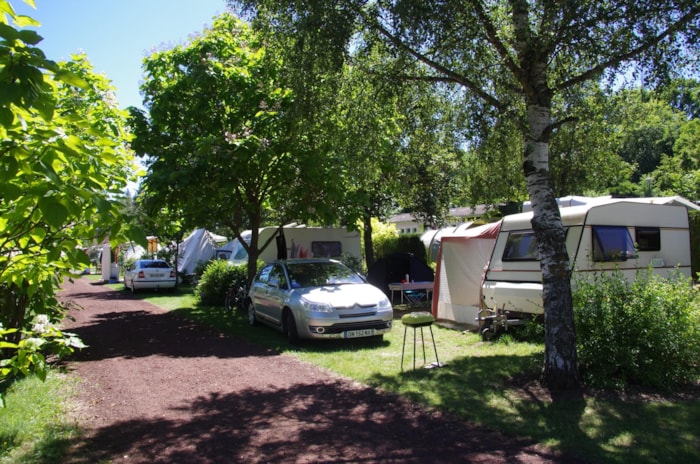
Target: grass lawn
490,383
34,425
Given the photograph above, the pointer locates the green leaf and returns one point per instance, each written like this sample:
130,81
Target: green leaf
37,234
71,78
6,117
54,212
26,21
29,37
10,192
8,33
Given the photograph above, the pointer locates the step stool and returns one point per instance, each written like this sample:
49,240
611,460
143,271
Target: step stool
417,320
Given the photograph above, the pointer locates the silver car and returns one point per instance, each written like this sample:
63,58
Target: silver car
149,274
318,298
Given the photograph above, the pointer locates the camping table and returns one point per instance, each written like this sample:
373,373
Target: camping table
402,287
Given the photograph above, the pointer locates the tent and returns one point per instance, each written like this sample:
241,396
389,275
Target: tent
200,245
460,268
394,268
431,238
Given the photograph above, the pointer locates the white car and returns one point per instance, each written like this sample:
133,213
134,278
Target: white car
149,274
318,298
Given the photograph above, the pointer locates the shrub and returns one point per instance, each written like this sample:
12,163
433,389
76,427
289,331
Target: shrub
643,332
406,243
217,278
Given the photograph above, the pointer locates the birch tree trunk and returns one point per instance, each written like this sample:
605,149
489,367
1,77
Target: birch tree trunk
560,370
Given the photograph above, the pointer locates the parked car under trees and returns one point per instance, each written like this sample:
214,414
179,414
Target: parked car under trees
318,299
149,274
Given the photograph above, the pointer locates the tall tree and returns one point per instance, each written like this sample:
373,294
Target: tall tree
220,137
430,152
64,165
513,58
364,137
648,127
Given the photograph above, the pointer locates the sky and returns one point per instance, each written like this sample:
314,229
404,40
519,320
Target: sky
117,34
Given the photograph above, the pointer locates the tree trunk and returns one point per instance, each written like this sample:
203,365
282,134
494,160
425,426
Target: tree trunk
367,235
560,371
253,251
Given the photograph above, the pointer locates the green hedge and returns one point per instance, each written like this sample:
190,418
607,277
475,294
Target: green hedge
405,243
218,276
644,332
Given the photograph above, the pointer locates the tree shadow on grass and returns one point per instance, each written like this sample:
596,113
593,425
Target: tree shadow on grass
493,391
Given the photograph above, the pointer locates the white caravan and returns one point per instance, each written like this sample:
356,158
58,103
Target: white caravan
624,235
603,235
301,242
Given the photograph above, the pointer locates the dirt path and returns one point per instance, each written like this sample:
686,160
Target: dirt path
157,388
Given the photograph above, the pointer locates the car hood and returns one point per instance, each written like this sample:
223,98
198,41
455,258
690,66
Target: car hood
346,295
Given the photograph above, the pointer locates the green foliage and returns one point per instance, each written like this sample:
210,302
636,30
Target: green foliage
644,332
221,116
217,278
64,165
403,243
28,354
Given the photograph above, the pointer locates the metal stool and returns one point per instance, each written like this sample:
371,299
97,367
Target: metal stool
416,320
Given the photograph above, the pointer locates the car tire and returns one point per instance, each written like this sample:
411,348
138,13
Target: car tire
252,319
290,328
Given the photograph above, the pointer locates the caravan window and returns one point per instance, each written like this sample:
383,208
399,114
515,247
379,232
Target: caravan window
648,238
326,249
612,243
521,246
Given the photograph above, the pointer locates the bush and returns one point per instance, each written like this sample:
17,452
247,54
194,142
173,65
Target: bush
217,278
644,332
406,243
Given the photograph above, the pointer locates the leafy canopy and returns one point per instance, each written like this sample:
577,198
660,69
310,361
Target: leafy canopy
65,164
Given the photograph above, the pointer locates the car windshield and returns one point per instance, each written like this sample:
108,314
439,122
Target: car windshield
318,274
154,264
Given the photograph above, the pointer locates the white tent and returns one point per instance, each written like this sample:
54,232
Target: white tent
199,246
461,262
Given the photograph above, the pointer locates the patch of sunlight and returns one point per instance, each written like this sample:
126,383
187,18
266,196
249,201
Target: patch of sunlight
623,440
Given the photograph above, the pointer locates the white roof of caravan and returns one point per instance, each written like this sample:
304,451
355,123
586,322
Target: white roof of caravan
570,200
576,215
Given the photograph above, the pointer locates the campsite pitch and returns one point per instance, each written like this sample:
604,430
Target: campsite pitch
159,388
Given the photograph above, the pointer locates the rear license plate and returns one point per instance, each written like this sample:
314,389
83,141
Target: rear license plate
359,333
157,275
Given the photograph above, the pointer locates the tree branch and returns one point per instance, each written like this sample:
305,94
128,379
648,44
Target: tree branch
450,76
597,70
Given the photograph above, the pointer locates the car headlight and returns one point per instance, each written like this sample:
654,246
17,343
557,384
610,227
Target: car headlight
384,303
316,306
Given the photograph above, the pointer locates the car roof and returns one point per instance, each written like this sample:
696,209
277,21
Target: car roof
306,260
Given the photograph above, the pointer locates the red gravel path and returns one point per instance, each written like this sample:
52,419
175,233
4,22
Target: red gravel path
157,388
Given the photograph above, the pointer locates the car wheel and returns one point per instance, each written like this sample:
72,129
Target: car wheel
252,320
133,287
290,327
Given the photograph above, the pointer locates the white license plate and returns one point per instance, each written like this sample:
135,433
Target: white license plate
359,333
157,275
